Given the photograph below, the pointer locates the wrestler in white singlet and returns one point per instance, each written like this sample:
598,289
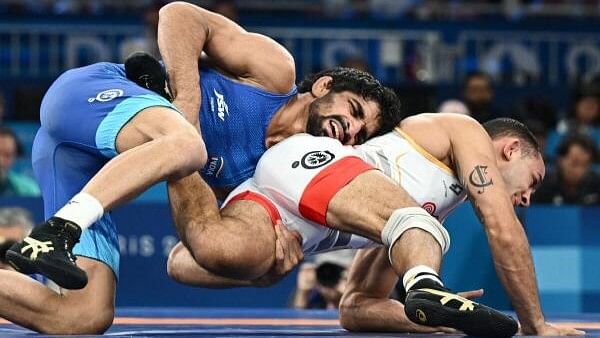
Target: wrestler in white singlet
295,180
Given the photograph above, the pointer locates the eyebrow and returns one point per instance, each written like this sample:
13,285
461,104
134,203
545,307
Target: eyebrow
357,109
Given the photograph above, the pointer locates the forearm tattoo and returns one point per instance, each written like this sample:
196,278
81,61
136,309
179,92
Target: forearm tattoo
479,178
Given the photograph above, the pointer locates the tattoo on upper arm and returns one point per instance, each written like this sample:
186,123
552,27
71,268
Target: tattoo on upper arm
478,178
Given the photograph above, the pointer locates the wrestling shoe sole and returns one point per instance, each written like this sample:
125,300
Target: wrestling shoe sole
481,321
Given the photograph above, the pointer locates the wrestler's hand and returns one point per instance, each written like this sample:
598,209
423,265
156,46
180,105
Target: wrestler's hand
551,330
288,253
471,294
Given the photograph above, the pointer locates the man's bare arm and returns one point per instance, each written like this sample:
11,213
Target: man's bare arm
475,160
186,30
182,267
192,205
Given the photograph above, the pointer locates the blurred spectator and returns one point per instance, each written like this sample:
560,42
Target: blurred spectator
15,224
584,118
11,183
2,107
391,9
356,62
536,108
149,42
573,181
454,107
341,9
478,96
585,115
227,8
320,285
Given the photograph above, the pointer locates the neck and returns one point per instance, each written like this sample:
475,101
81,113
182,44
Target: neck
290,119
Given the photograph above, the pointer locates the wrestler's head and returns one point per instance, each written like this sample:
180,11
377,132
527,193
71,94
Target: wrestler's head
349,105
15,224
519,158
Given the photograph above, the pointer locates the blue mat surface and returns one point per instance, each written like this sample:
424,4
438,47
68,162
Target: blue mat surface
205,322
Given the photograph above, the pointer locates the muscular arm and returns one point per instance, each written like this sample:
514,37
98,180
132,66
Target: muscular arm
474,157
186,30
192,204
182,267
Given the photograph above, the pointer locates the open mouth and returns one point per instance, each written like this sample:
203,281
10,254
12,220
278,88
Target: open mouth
335,130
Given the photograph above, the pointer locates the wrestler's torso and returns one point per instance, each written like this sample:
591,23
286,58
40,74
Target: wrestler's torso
234,118
428,181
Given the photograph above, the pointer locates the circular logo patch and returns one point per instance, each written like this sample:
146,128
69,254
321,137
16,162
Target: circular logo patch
421,316
316,159
107,95
430,207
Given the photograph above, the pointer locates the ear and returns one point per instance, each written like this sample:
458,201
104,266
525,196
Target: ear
321,86
511,148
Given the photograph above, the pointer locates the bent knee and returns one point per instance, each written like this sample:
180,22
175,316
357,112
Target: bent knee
85,321
346,310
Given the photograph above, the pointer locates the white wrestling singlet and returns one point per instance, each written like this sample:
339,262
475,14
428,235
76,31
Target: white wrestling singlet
296,179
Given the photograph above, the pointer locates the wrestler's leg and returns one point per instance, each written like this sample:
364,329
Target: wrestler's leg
156,144
415,255
366,203
29,303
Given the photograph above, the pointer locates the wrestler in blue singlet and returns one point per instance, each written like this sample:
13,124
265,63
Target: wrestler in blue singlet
234,118
85,108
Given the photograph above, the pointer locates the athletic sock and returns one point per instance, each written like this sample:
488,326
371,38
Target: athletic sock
83,209
421,276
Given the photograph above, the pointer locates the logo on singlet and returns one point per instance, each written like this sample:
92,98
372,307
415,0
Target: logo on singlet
214,166
222,108
430,207
314,159
106,95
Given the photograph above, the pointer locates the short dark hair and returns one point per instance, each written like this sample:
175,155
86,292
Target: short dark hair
329,274
505,126
582,140
6,131
365,85
474,74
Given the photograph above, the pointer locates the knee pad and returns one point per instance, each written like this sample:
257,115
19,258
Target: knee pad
413,217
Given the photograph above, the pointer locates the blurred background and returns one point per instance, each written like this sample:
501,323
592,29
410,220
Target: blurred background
536,60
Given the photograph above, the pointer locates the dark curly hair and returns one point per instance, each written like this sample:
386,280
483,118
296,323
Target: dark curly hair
365,85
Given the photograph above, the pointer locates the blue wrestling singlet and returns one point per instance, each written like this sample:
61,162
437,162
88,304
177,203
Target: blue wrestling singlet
81,115
234,118
84,110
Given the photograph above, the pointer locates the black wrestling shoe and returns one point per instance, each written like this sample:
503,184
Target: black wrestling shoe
143,69
434,305
48,250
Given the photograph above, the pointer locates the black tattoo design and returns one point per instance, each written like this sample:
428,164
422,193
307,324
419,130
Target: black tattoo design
478,178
